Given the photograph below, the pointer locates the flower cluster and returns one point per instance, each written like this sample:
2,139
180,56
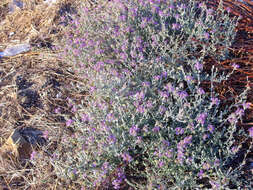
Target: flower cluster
146,110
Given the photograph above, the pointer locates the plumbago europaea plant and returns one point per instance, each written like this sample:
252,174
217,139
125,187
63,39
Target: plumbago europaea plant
142,63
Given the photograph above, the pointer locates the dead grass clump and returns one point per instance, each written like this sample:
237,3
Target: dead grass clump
36,19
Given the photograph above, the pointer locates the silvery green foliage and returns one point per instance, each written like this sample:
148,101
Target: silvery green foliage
147,116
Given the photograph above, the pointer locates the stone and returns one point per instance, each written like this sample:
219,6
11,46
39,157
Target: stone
21,143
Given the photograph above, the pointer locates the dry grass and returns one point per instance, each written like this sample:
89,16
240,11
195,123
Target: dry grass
52,82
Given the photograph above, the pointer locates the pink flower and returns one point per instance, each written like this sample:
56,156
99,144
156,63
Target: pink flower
69,122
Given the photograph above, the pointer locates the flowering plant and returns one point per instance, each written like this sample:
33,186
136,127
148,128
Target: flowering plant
146,116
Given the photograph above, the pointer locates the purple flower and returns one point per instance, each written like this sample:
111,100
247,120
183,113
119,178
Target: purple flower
206,166
177,16
139,140
205,136
161,164
216,162
201,118
246,105
189,78
45,134
180,155
116,183
162,109
167,143
110,117
105,166
206,35
156,129
146,84
201,91
215,185
189,160
215,101
200,174
57,110
164,74
33,154
92,89
133,130
74,109
210,128
157,77
201,5
126,157
232,118
198,66
164,94
239,112
209,11
112,139
140,95
149,104
85,118
228,9
179,131
140,109
175,26
143,24
161,13
234,149
122,17
69,122
123,56
182,6
251,132
145,128
169,87
187,140
168,154
235,66
171,6
182,94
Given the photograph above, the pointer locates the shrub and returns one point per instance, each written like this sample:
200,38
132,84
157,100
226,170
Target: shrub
147,122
